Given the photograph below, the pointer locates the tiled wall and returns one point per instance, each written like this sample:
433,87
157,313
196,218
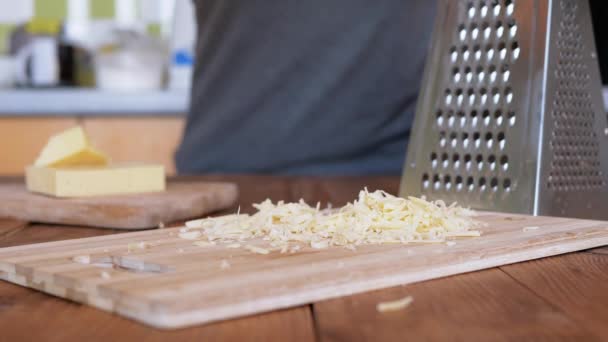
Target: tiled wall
155,14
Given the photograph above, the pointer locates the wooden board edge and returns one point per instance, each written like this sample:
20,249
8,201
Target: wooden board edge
167,320
173,320
230,197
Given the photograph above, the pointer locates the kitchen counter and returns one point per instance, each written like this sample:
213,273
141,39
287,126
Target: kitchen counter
93,102
557,298
83,102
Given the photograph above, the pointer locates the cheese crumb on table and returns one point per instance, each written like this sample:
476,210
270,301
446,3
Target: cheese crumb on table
190,235
395,305
133,246
105,275
82,259
373,218
202,243
224,264
527,229
257,250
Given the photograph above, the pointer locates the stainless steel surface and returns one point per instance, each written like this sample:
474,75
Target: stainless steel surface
510,116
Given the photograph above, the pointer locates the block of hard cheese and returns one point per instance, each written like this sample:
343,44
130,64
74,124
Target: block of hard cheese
95,181
70,148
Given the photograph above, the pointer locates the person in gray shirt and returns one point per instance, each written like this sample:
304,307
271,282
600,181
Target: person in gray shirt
308,87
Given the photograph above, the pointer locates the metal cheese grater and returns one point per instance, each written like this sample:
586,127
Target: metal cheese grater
510,116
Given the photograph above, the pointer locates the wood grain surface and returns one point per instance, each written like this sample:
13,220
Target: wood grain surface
137,211
488,306
484,305
193,288
575,283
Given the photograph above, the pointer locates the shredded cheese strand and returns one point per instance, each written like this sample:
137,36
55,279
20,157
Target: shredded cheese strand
373,218
395,305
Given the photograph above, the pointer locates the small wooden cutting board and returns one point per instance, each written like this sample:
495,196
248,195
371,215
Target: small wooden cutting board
138,211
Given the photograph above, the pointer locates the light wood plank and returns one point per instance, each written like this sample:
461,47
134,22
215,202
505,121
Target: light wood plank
481,306
21,139
30,315
575,283
39,233
198,290
26,315
142,139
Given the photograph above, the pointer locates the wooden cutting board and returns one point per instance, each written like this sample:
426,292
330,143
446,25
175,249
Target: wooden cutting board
179,202
187,284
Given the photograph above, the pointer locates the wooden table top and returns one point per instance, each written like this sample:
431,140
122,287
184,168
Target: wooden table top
557,298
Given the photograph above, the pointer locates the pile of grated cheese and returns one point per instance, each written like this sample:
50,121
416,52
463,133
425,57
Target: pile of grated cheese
374,218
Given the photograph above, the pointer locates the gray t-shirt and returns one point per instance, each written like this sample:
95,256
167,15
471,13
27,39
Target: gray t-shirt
305,86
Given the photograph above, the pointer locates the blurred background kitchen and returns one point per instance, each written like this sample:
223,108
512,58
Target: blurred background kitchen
120,68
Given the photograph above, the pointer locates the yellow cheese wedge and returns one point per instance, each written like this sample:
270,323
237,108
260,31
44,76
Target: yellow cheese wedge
70,148
95,181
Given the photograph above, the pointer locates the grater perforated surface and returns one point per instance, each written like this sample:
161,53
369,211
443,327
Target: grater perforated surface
574,142
476,113
510,115
476,108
